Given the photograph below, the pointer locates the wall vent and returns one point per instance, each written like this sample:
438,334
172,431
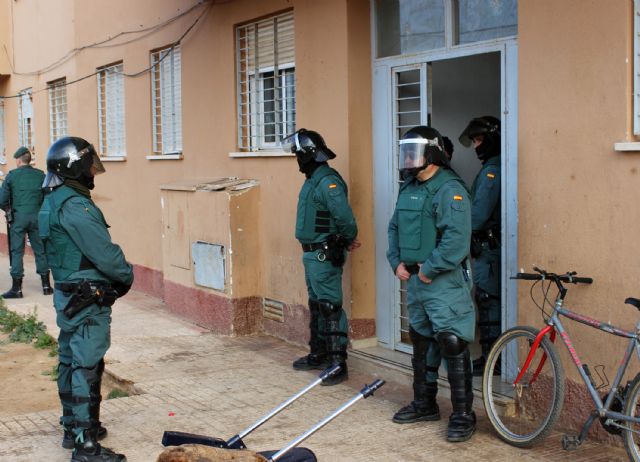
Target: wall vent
273,309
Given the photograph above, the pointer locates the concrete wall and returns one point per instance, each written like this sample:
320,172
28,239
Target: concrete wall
578,197
333,97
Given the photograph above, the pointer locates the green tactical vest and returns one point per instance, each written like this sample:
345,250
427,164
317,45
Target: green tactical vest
313,220
26,189
63,255
417,232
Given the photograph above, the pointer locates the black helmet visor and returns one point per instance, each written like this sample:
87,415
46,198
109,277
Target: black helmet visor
291,143
413,152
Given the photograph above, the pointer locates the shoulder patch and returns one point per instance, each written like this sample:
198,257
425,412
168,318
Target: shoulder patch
457,198
491,175
333,186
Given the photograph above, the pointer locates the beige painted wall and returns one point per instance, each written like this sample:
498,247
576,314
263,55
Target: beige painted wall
333,97
578,197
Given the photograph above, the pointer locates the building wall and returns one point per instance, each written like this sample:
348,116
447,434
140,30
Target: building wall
333,97
578,207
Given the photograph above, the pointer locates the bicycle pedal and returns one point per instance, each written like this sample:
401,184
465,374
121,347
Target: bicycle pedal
570,442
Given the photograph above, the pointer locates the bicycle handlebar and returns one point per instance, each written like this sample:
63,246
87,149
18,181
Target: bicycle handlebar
569,277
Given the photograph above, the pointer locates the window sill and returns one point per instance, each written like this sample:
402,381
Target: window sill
166,157
113,158
246,154
627,146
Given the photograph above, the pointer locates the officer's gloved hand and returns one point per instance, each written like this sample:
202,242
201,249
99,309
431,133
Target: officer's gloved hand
120,288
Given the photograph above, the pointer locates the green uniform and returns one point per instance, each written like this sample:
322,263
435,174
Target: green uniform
79,248
431,226
485,213
22,192
323,211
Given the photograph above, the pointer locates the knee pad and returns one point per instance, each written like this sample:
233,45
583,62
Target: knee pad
420,343
450,344
329,310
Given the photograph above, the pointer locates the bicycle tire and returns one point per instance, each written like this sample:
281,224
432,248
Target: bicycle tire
631,403
521,415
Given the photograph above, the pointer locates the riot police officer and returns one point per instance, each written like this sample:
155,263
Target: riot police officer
326,228
21,197
429,237
90,272
484,134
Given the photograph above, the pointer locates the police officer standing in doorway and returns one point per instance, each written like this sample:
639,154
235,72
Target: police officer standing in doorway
21,197
483,133
326,228
90,273
429,237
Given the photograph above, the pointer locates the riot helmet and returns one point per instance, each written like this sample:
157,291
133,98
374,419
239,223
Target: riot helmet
489,128
308,146
72,158
420,147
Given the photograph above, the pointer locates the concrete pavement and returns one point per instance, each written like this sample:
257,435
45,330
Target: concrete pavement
190,380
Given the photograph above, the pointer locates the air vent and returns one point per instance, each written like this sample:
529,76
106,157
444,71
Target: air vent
273,309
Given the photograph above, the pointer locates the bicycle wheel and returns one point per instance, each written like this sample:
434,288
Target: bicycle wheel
632,408
524,413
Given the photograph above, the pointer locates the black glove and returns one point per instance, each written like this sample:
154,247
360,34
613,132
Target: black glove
120,288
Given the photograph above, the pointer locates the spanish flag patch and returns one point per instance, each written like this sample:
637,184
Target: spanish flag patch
491,175
333,185
457,198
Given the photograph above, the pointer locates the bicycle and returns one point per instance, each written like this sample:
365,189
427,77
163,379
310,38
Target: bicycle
523,381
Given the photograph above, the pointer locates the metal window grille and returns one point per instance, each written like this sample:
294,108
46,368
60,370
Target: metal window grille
57,109
166,92
25,119
266,82
111,110
3,143
636,67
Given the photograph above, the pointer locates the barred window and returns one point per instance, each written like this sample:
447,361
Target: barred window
166,95
111,110
25,119
57,109
266,82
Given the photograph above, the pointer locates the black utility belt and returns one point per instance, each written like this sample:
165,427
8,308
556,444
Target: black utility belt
413,269
86,293
315,246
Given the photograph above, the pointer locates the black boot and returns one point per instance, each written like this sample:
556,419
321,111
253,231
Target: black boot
462,423
87,449
16,289
424,405
317,358
336,344
46,285
68,436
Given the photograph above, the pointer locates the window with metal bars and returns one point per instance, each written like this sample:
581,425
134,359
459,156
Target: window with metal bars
57,109
3,143
25,119
166,97
111,110
266,82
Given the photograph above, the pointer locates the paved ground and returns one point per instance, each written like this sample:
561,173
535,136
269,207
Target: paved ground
191,380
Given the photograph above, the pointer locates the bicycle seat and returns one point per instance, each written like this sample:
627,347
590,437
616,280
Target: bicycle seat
633,301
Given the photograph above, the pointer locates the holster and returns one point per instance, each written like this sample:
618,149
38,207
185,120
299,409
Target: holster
87,293
9,216
335,250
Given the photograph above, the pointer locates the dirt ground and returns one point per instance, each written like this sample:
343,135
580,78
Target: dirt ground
25,387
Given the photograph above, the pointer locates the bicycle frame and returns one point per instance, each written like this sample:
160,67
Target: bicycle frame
555,324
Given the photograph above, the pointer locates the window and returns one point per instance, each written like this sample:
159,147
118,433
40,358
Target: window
166,97
3,143
266,82
57,109
25,119
111,110
412,26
